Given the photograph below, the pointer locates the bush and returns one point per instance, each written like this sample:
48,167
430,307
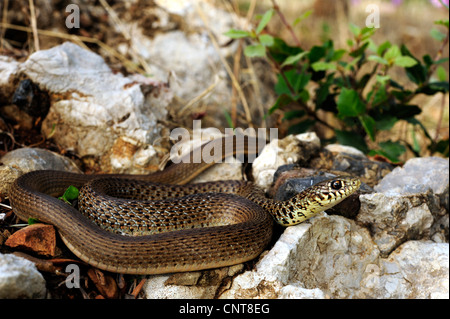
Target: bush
353,84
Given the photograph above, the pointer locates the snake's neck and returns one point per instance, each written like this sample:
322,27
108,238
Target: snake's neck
290,212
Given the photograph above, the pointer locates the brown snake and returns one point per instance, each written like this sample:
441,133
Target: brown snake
212,229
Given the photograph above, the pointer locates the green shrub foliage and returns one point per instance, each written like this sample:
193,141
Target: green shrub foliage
352,84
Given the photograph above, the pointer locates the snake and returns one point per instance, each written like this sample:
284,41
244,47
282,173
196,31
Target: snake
158,223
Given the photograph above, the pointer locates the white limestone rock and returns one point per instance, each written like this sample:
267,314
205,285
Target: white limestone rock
190,285
410,204
338,148
23,160
297,291
186,54
417,176
93,109
19,278
415,270
8,68
333,256
395,219
277,153
325,258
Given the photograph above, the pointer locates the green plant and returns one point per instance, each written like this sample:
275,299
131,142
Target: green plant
70,194
354,85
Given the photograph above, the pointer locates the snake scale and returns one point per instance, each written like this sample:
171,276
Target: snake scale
206,225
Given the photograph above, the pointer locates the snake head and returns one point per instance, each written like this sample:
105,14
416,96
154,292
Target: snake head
315,199
328,193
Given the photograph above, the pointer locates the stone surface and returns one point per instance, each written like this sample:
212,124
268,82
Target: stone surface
19,278
23,160
272,272
395,219
333,256
297,291
415,270
8,71
278,152
410,204
417,176
338,148
189,44
95,112
323,259
205,284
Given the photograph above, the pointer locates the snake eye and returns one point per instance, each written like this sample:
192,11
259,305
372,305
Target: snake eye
336,185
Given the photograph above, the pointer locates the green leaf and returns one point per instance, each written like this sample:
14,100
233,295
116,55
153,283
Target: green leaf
303,96
289,115
266,40
301,127
369,125
383,47
437,35
404,111
366,33
372,46
442,147
359,51
380,96
264,21
386,122
405,61
361,84
442,22
392,53
441,74
338,54
392,150
282,100
32,221
443,60
354,29
378,59
352,139
382,79
433,87
255,50
416,73
294,58
352,63
349,103
323,66
316,53
416,144
297,81
428,60
302,17
280,50
237,34
70,194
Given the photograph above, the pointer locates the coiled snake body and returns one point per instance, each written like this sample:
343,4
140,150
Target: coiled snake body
209,225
